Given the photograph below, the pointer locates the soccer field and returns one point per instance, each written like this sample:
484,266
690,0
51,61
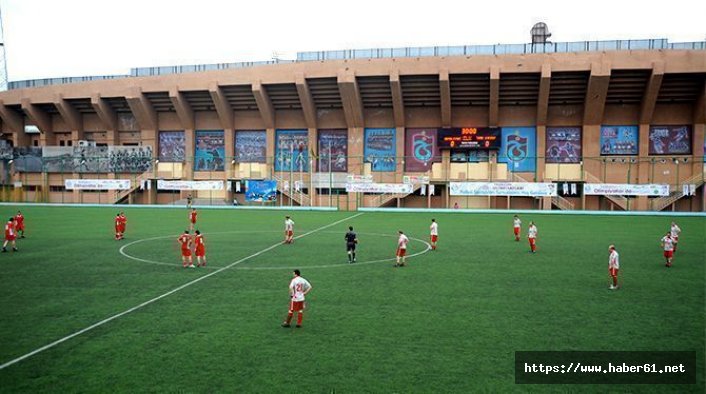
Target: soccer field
448,322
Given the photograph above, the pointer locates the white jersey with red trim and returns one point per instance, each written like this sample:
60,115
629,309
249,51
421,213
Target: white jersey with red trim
434,228
532,231
668,243
289,225
402,242
516,223
298,286
675,231
614,260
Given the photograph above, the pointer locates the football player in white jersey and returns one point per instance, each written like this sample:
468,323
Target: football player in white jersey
516,227
434,230
298,289
401,249
613,266
668,245
674,231
532,237
288,230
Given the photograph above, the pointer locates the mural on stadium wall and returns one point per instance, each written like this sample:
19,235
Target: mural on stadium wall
421,149
670,140
5,150
129,159
380,148
563,145
251,146
172,146
332,150
27,158
209,150
261,191
519,149
90,159
292,150
58,159
619,140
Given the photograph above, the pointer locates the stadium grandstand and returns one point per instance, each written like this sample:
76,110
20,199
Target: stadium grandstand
596,125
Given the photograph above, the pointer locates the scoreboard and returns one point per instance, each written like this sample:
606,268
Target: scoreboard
469,138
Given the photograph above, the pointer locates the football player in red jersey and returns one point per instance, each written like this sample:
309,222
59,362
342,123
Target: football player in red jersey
20,224
10,235
200,249
185,242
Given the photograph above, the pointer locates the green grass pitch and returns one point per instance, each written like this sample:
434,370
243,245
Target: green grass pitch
449,322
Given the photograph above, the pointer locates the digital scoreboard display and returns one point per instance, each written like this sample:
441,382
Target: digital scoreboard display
469,138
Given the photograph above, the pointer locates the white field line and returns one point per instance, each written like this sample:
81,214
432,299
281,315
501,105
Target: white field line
142,305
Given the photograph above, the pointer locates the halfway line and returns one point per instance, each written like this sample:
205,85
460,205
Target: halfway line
100,323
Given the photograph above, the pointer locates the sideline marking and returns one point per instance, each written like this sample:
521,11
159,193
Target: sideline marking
100,323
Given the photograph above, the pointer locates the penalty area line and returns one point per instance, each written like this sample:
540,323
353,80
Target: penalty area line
155,299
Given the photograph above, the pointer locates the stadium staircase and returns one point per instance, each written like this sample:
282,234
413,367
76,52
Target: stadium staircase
661,203
382,199
299,197
620,201
122,195
558,201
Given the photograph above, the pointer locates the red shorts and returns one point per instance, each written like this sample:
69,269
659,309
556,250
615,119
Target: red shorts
186,252
21,227
401,252
200,251
516,230
296,306
532,240
613,271
121,229
668,254
289,233
434,238
10,237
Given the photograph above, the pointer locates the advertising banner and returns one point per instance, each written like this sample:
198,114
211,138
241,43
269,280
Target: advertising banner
359,178
523,189
209,150
619,140
172,146
329,180
563,145
333,150
397,188
251,146
292,150
97,184
189,185
519,148
380,149
415,180
421,150
670,140
261,191
620,189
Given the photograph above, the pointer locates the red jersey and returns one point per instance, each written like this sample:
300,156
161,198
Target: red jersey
10,230
123,221
192,216
200,246
20,220
118,220
185,241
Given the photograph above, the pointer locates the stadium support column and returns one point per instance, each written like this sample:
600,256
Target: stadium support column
698,160
399,117
186,117
309,111
542,109
42,120
494,101
594,106
649,101
71,117
313,166
14,123
108,117
445,97
267,114
227,119
352,107
146,118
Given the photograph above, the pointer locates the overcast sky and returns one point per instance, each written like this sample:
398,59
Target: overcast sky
57,38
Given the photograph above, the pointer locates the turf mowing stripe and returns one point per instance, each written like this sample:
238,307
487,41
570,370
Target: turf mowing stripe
100,323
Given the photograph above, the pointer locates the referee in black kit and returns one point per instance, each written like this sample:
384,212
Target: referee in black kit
351,240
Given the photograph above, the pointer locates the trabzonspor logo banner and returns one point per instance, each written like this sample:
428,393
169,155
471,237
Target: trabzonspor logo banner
519,148
421,149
